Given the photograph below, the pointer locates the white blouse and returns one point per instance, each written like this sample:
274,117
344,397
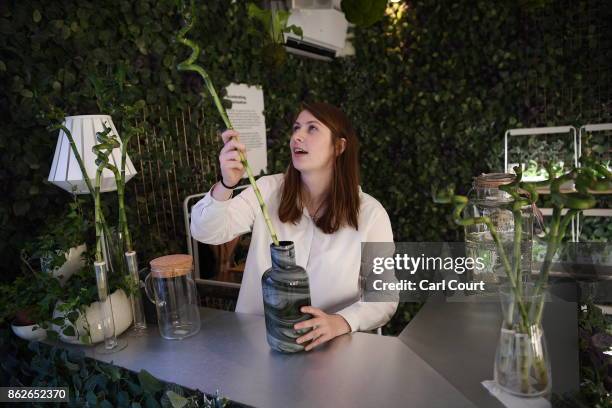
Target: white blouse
332,261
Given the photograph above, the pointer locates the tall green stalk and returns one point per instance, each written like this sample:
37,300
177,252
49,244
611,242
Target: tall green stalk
103,149
98,215
190,65
120,180
79,159
109,141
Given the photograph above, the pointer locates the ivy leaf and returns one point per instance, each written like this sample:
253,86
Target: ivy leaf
134,388
69,331
91,398
149,383
76,381
176,400
34,346
113,372
97,380
106,404
123,399
150,402
21,207
52,335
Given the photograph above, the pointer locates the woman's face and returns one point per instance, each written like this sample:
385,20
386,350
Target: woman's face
311,144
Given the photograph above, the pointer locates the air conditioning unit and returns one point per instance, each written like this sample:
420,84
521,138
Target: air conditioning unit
324,33
315,4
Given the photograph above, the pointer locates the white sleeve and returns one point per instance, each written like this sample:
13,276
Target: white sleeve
362,316
217,222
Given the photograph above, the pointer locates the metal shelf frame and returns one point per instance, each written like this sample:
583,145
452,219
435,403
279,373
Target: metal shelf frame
543,131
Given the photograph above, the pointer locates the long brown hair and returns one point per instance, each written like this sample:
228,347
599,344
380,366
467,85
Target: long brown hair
342,200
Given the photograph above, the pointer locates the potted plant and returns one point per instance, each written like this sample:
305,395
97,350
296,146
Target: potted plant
275,24
39,304
76,317
522,366
27,304
62,243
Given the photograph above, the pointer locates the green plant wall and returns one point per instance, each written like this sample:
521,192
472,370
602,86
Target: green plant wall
431,89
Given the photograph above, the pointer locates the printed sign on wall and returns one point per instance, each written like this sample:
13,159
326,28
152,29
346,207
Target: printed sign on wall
247,118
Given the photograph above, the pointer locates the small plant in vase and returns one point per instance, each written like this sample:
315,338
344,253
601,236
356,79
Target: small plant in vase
522,366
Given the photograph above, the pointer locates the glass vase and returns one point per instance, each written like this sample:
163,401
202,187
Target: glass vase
106,320
285,291
138,314
522,364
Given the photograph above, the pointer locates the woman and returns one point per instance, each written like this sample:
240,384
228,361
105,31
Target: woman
318,204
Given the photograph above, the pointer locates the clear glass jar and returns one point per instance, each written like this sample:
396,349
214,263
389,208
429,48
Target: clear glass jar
170,286
486,199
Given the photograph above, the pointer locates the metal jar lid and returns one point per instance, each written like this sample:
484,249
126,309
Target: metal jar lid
171,266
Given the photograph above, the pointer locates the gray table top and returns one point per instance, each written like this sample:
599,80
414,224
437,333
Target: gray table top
439,360
231,354
458,338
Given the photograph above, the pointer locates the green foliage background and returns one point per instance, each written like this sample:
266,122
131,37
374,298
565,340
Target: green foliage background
431,89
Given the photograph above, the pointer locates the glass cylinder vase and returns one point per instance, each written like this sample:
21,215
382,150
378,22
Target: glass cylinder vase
106,320
522,364
285,290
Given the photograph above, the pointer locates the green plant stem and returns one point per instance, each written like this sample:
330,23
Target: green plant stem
508,268
558,227
190,65
518,232
102,150
460,202
121,197
98,215
79,159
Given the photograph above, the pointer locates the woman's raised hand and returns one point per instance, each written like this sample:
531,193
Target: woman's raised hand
229,159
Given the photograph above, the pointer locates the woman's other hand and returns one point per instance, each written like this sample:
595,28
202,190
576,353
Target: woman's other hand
324,327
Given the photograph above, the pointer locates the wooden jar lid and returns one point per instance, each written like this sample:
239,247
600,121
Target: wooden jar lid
493,180
171,266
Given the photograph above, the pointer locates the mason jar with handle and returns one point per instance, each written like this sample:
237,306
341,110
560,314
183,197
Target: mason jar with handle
170,286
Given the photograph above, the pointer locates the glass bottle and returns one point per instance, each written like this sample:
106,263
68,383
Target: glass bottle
285,290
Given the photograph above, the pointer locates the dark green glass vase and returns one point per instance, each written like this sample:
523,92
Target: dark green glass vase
285,290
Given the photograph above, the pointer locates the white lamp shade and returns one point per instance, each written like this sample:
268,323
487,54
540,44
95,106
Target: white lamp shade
65,171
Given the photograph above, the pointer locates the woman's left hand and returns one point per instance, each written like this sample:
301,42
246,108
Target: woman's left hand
325,327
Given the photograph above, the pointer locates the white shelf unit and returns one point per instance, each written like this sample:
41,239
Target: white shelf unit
546,131
594,212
